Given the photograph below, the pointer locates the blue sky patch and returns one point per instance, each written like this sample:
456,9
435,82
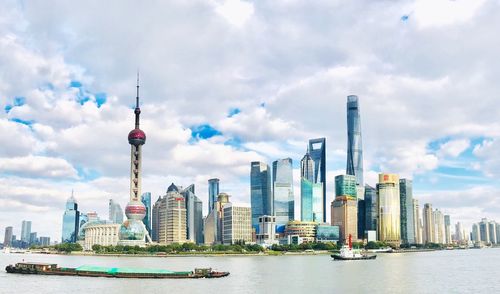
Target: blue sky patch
75,84
100,99
22,121
204,131
405,18
233,112
19,101
7,108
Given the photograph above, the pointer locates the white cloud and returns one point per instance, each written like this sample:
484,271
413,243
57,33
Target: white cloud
438,13
38,166
236,12
453,148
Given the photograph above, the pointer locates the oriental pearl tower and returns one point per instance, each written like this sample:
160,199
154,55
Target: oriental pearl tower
133,231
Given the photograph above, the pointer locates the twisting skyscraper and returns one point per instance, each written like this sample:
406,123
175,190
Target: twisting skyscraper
133,231
354,142
317,151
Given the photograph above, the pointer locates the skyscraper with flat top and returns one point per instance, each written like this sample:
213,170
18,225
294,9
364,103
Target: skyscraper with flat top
284,203
389,209
311,193
26,231
317,151
406,211
354,142
261,196
7,240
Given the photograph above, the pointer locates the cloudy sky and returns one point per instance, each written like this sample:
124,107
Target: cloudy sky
224,83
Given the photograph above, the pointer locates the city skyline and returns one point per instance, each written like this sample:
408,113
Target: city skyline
265,110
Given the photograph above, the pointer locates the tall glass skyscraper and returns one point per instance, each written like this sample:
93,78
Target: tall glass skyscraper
354,142
146,200
311,193
213,192
194,215
406,210
261,196
71,221
317,151
7,240
284,203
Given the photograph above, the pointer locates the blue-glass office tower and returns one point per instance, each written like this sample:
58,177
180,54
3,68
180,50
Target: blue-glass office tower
194,215
261,196
213,192
146,200
371,209
317,151
115,212
311,193
71,221
284,203
354,142
25,231
406,211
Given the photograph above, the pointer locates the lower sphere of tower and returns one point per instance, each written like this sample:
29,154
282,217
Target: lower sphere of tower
132,229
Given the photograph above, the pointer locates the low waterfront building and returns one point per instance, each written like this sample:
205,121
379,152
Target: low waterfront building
97,233
267,231
304,232
327,233
236,224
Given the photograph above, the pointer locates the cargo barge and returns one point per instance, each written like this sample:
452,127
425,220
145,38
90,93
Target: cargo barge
36,268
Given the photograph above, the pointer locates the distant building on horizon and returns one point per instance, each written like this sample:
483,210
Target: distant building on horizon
115,212
213,192
447,229
428,224
7,240
317,151
71,221
284,203
261,196
44,241
406,211
213,233
389,209
172,217
416,222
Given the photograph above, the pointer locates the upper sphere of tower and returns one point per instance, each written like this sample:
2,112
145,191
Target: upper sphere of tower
136,137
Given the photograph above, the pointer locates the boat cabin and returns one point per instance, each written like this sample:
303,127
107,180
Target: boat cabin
36,266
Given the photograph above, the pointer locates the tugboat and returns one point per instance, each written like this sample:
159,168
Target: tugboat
347,253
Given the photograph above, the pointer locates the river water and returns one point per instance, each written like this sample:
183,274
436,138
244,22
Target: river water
457,271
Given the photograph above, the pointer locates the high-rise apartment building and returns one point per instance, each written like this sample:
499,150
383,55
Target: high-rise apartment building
172,217
155,219
459,232
25,231
493,232
476,233
354,142
45,241
428,224
236,224
416,222
406,211
284,203
7,240
311,193
438,218
194,215
389,209
484,229
213,192
447,229
146,200
317,151
260,192
115,212
71,220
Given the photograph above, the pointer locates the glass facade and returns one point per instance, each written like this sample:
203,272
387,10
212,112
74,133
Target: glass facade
354,143
261,196
213,192
317,151
115,212
371,209
284,203
345,185
194,215
389,209
406,211
146,200
71,221
326,233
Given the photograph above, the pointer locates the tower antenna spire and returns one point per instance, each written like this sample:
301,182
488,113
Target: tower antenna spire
137,97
